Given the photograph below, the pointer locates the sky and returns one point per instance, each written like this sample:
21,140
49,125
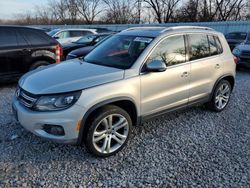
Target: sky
10,8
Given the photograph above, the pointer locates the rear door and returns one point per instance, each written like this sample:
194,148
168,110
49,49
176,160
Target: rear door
21,54
206,65
8,45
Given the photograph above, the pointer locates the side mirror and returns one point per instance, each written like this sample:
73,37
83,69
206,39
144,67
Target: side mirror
156,66
56,37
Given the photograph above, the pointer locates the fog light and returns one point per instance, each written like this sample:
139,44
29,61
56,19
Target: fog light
54,129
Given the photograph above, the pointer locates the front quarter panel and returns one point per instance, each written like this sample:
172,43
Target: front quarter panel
127,88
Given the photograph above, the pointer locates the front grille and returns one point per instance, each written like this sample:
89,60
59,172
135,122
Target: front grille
25,98
245,53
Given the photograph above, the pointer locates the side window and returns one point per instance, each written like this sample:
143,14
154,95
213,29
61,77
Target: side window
199,46
8,38
171,50
212,45
219,46
34,37
63,34
20,39
215,45
77,33
86,33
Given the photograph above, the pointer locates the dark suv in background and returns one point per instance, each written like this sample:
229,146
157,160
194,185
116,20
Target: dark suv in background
23,49
236,38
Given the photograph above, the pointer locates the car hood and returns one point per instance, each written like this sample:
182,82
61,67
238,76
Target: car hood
244,47
82,51
68,76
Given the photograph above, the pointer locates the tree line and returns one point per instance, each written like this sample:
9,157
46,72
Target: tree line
135,11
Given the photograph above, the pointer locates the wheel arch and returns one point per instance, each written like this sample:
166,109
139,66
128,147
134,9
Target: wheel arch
126,103
230,78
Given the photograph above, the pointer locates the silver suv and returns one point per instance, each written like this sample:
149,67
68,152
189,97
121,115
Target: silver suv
135,75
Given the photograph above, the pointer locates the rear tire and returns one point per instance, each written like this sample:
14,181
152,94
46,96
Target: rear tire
221,96
108,131
38,64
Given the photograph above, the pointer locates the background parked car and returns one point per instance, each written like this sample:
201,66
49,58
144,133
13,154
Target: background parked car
82,52
236,38
242,52
70,35
23,49
89,40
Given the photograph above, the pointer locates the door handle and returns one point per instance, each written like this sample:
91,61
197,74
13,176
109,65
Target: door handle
217,66
185,74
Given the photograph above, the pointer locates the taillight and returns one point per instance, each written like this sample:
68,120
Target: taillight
59,53
235,59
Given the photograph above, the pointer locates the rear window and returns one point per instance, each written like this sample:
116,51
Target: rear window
199,46
8,38
36,38
237,35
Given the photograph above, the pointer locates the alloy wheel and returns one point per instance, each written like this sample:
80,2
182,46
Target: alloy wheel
110,133
222,96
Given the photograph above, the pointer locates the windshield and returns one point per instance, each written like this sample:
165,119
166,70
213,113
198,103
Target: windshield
86,39
118,51
53,32
102,40
237,36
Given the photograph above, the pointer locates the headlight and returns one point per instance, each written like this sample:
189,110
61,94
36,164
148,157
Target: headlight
236,51
57,102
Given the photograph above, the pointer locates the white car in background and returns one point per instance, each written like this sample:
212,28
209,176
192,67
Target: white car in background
70,35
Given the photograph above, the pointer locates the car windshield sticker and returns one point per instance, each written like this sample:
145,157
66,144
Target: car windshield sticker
143,39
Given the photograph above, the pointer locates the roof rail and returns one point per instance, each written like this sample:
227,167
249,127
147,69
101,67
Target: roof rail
141,28
186,27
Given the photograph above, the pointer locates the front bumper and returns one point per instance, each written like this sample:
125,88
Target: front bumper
34,121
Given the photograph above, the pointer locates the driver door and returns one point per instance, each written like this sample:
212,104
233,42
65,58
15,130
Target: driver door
166,90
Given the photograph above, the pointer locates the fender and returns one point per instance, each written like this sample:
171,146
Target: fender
217,81
96,106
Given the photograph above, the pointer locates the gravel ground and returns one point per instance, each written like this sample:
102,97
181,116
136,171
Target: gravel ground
192,148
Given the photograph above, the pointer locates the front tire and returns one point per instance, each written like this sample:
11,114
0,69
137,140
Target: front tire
108,131
221,96
39,64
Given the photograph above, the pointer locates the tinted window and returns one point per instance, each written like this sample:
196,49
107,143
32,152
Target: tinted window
237,36
86,33
199,46
171,51
8,38
75,33
79,33
212,45
35,37
219,46
20,39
